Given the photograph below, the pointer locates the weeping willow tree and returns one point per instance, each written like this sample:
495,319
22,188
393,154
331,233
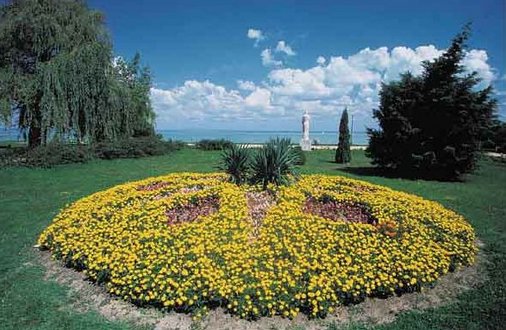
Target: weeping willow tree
58,79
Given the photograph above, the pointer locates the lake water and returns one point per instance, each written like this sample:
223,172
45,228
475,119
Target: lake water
194,135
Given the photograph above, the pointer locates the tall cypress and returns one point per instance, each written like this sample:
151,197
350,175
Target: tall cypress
343,152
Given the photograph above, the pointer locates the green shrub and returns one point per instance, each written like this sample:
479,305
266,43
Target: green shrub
135,147
500,139
235,161
47,155
497,138
55,153
274,163
219,144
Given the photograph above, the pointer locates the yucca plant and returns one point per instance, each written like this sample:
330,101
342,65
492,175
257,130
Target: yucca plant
235,161
274,163
302,156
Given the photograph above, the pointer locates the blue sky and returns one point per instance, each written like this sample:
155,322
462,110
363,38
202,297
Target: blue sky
253,64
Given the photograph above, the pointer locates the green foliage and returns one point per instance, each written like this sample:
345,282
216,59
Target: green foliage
301,160
495,138
130,90
48,155
432,125
235,161
58,78
500,138
135,148
218,144
274,163
56,153
343,152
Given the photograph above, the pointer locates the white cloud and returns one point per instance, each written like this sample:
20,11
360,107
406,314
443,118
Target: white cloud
195,100
343,72
404,59
476,60
283,47
308,84
259,98
324,89
256,35
268,58
246,85
203,100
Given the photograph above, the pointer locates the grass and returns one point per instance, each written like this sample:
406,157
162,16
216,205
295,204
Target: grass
30,198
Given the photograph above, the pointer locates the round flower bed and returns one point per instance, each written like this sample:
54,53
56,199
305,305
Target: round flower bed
193,241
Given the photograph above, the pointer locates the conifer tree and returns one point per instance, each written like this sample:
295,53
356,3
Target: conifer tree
431,125
343,152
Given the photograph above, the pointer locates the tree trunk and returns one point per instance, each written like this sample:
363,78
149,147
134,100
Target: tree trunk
35,130
34,136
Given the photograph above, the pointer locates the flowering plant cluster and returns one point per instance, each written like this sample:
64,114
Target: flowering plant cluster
291,261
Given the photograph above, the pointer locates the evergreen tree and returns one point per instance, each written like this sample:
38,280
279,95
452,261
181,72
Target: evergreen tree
57,78
496,137
343,152
431,125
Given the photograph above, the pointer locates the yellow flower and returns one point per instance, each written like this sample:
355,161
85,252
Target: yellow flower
122,236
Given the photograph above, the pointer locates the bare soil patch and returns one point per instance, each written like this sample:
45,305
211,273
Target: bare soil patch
192,211
338,211
259,203
153,186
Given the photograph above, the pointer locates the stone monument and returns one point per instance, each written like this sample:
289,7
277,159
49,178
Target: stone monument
305,142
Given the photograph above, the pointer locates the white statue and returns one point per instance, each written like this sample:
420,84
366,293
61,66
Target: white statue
305,142
305,126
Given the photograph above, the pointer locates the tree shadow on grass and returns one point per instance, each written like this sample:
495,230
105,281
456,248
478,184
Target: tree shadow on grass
367,171
362,168
371,171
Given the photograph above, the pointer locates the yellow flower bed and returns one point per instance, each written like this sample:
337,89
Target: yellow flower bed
295,262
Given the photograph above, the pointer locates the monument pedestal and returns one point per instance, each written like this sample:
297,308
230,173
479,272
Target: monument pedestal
305,144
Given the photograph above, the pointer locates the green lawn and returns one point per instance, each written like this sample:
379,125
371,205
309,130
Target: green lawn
30,198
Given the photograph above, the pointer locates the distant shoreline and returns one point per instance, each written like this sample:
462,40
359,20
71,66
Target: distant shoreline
236,136
250,145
